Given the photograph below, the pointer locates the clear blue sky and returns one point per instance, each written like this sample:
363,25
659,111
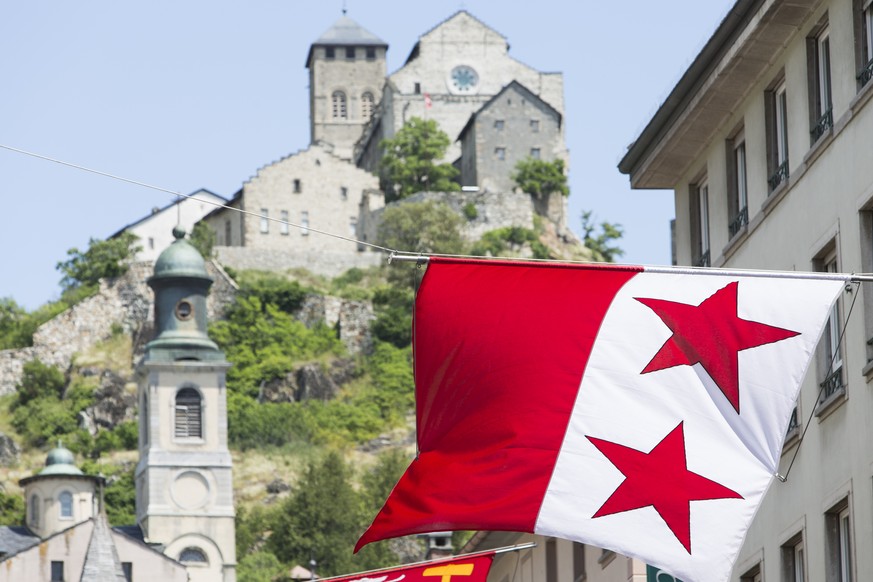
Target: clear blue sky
200,94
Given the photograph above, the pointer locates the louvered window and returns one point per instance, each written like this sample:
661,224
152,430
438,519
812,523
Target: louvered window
188,417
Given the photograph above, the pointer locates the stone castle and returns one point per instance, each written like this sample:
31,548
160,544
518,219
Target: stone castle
495,109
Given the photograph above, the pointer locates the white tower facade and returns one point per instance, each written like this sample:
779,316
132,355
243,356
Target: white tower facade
184,487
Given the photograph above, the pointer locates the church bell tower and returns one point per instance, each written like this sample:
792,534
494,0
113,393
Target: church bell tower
184,490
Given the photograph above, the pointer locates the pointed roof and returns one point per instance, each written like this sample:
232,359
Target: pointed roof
511,86
101,560
413,54
346,32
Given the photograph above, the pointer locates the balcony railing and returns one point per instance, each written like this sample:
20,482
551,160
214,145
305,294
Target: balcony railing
866,73
703,261
779,176
824,123
739,221
832,384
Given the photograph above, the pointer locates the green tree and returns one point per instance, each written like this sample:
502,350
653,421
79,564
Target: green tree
258,567
11,509
104,258
540,177
203,239
409,164
322,519
421,227
38,380
601,243
13,320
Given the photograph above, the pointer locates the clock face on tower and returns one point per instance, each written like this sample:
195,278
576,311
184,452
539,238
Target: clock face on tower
463,80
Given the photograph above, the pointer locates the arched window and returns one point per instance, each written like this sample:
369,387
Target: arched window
193,556
65,500
368,103
34,510
338,100
188,408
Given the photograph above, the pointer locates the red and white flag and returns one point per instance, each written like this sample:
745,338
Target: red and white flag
638,411
470,568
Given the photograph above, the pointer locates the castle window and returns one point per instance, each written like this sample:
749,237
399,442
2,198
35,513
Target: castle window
417,88
498,124
353,225
350,53
338,102
227,233
34,510
65,500
188,422
535,125
265,221
371,53
193,556
151,243
283,226
368,104
57,572
304,223
298,187
535,153
500,153
344,193
329,52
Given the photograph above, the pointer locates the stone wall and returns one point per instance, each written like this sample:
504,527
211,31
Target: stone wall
126,302
351,318
322,262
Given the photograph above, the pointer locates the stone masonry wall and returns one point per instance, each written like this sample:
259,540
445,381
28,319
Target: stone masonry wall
126,301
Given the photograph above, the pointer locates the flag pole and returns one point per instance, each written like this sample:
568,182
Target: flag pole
421,260
503,550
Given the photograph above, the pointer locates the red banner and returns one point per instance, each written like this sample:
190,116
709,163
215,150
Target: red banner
473,568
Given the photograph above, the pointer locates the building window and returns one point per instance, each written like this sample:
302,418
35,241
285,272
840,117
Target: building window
329,52
350,53
776,104
752,575
304,223
793,563
838,543
151,243
265,221
227,232
535,125
864,41
298,187
57,572
578,562
700,223
498,124
738,188
34,510
829,356
368,103
818,49
65,501
371,53
193,556
353,226
535,153
338,104
127,569
551,561
188,421
500,153
283,226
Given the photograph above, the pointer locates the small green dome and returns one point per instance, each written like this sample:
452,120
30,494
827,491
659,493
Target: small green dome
180,259
60,461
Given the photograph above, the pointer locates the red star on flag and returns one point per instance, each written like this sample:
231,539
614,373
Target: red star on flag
712,335
660,479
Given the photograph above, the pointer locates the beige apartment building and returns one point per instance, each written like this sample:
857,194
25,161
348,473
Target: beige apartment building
767,143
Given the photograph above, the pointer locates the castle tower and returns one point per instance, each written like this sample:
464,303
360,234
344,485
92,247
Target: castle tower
184,493
60,496
346,74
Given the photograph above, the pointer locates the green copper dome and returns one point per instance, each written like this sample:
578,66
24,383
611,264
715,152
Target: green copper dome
180,259
60,461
